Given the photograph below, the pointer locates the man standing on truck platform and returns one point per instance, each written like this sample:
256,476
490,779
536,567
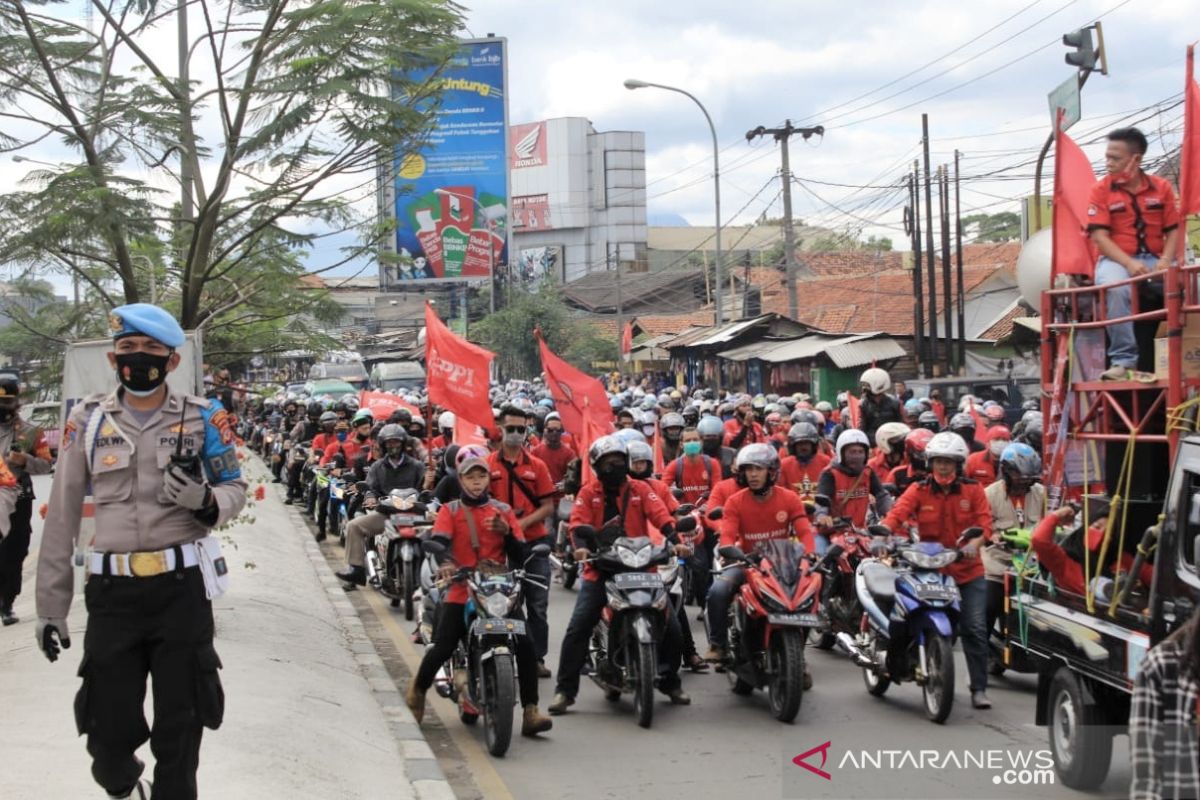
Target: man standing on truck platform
1133,220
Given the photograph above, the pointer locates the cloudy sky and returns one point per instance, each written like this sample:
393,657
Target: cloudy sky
865,70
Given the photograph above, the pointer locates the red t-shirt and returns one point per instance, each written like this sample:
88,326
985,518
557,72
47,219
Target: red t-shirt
698,479
350,448
1115,209
754,433
980,467
802,478
645,513
720,495
942,516
556,459
750,520
451,522
534,475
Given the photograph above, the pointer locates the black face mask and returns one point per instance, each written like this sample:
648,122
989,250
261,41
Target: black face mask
7,415
712,447
672,435
141,373
613,475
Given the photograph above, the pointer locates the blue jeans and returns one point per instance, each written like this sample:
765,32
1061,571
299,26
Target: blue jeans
1122,346
972,630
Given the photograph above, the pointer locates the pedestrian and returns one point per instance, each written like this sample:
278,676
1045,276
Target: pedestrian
25,451
1133,220
154,567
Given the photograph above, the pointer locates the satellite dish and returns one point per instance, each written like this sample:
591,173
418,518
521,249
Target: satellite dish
1033,267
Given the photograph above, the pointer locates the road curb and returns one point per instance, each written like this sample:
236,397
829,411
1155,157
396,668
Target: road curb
420,765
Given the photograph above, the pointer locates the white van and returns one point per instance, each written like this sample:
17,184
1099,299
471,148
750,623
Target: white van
398,376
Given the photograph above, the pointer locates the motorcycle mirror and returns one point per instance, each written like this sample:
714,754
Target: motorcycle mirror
686,508
361,486
716,514
539,551
970,533
732,553
879,530
686,525
832,554
586,536
431,548
891,489
425,496
677,493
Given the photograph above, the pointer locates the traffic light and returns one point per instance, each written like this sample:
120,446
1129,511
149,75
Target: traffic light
1084,56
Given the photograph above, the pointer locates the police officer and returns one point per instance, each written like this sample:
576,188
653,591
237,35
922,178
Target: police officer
24,448
153,565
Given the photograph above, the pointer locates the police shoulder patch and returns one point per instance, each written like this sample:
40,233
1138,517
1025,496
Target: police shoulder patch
221,421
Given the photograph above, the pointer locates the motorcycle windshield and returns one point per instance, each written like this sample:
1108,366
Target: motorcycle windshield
784,555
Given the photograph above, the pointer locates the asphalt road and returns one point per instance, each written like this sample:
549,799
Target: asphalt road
727,746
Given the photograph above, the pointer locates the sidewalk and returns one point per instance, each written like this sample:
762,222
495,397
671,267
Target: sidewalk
310,710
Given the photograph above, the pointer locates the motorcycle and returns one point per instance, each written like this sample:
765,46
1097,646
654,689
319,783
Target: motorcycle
393,560
313,478
623,651
771,617
841,609
340,493
905,591
1011,546
564,556
481,675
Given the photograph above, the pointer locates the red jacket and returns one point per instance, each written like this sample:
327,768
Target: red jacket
350,448
733,427
700,475
324,440
534,476
802,478
451,523
981,468
942,515
1066,571
645,513
878,463
750,520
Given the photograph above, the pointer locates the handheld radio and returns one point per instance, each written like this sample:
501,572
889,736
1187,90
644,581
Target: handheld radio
188,462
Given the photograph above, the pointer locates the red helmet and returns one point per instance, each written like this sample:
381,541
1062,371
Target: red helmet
915,442
999,432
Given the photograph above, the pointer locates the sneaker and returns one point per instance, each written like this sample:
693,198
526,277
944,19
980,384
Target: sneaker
543,670
533,722
415,699
1119,373
979,699
7,616
715,654
679,697
560,704
355,576
140,791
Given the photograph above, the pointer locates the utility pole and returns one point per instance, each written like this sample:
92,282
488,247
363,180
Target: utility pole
789,235
933,349
944,221
958,240
913,223
185,122
620,313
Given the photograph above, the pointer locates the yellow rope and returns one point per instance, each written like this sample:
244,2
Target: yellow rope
1177,417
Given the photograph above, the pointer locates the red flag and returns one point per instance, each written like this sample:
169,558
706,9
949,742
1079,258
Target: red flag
1073,253
457,373
574,392
466,433
589,433
627,340
658,454
1189,152
855,411
980,425
381,404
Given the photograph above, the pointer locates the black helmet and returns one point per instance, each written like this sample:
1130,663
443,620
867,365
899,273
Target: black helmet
391,432
804,432
929,421
329,418
315,409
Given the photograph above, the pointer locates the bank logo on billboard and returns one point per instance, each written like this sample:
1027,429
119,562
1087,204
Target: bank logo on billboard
452,194
529,145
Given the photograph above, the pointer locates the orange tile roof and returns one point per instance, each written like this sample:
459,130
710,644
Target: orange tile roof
1003,327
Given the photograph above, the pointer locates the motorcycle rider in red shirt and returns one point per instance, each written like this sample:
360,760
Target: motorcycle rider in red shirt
889,444
474,529
760,512
850,485
742,428
984,465
613,500
801,471
943,506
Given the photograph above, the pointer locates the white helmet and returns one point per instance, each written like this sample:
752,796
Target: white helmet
876,380
849,437
889,432
446,419
946,445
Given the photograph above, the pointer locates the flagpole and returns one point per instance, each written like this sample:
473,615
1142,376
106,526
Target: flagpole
1171,280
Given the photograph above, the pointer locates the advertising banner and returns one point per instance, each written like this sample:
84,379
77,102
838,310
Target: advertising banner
452,194
531,212
535,264
528,145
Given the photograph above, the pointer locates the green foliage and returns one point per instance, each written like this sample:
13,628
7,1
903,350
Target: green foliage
509,334
1004,226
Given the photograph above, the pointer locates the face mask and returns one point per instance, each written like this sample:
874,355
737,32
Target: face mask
997,446
648,430
395,453
712,447
341,436
613,475
141,373
514,439
362,437
691,448
672,435
946,481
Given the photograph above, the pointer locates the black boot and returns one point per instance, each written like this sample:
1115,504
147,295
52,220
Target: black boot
320,534
355,576
6,613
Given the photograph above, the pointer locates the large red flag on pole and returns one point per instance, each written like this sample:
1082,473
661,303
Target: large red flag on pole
1073,181
458,372
627,340
855,411
1189,152
574,393
589,433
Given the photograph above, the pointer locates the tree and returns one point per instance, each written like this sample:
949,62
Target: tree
273,137
1004,226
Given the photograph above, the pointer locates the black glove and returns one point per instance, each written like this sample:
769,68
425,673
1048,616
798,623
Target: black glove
50,632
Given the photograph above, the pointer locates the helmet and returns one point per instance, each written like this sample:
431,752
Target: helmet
648,402
962,421
788,403
994,413
947,444
759,402
471,455
363,415
825,407
446,419
876,380
390,432
673,420
649,417
710,426
890,435
627,435
639,451
967,402
617,403
604,446
804,432
314,409
676,395
1020,461
998,432
774,419
915,444
843,399
328,418
913,407
1033,433
929,421
1031,405
691,415
849,437
340,408
546,402
759,455
417,420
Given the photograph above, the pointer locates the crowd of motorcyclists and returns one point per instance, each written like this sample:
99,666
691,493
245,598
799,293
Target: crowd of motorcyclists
709,479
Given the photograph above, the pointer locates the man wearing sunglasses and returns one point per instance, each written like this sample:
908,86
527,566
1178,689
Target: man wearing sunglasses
523,481
1133,220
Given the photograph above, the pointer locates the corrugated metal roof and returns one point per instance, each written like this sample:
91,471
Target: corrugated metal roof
728,332
689,337
864,351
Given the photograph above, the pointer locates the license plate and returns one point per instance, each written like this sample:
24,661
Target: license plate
930,591
802,620
638,580
404,520
486,627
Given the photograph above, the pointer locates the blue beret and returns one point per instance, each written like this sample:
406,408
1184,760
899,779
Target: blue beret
143,319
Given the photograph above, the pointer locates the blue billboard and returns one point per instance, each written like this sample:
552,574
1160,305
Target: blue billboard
451,198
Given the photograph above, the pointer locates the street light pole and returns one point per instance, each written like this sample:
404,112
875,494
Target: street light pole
491,242
633,83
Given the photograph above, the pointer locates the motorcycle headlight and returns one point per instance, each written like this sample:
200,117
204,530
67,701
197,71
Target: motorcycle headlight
923,560
634,559
496,605
774,603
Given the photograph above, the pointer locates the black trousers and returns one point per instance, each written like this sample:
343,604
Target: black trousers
322,507
537,601
13,550
452,627
161,627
